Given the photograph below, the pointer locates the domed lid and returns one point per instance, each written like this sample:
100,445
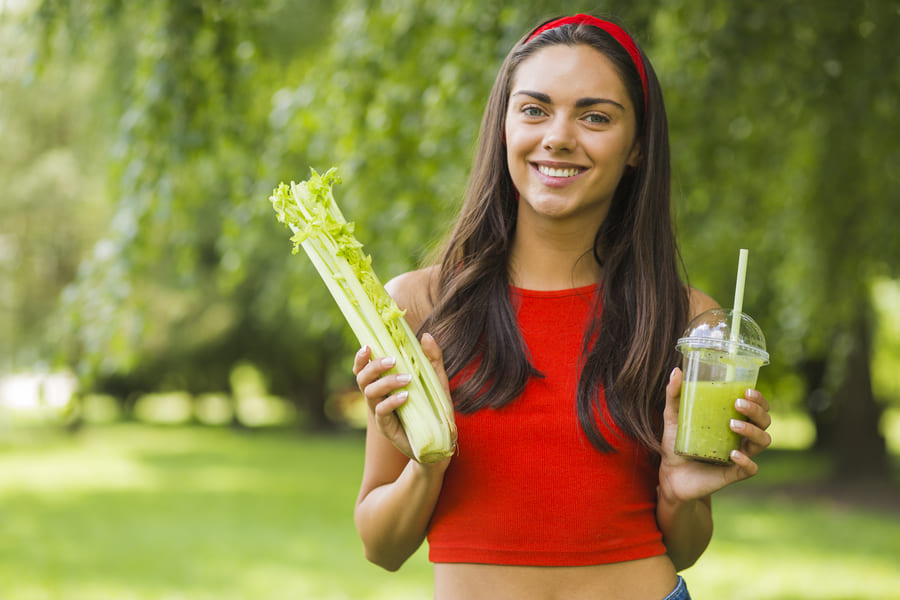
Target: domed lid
712,330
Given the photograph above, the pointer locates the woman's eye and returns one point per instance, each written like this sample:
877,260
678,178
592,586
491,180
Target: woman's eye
532,111
597,119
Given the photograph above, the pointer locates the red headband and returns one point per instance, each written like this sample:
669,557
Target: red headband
612,29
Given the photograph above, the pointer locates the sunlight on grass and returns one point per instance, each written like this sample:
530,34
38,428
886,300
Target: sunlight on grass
146,513
890,429
164,408
886,343
84,465
213,409
792,431
779,574
786,549
138,512
100,409
796,431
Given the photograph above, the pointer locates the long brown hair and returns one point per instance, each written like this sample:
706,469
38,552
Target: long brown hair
644,300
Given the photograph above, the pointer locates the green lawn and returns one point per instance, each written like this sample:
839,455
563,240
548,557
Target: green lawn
141,512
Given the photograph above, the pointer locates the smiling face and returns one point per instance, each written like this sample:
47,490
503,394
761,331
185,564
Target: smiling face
570,133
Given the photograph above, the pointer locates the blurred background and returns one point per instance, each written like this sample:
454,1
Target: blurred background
177,414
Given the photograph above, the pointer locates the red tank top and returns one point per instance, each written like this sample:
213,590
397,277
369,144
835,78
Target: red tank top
526,486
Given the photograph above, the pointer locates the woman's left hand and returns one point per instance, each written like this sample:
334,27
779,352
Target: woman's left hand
685,479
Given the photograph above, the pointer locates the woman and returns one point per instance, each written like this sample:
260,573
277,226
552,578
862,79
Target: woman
554,312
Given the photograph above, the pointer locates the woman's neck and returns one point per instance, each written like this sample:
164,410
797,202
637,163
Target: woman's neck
553,258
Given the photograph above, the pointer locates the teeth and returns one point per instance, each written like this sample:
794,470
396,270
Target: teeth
551,172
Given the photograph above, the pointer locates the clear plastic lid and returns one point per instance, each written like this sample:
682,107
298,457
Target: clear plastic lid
711,330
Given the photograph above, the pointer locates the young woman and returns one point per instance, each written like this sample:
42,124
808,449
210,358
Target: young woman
554,314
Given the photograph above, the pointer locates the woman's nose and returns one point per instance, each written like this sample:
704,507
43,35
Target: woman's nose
559,136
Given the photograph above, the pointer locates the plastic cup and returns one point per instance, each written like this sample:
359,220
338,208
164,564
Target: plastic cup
718,368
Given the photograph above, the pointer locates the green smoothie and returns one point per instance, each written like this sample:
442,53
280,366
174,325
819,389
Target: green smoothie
704,430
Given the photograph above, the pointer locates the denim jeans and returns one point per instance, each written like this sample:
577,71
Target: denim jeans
680,592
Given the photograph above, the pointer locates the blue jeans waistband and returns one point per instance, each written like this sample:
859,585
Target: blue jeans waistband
680,592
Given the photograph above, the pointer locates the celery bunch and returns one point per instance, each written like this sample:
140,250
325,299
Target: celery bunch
309,210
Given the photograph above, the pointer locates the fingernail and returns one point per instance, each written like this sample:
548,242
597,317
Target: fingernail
672,374
741,403
402,395
404,378
737,424
735,455
362,350
388,361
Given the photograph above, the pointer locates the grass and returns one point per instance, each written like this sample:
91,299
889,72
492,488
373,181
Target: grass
137,512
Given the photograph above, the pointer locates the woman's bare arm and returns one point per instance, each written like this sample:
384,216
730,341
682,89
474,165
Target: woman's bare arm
684,504
397,495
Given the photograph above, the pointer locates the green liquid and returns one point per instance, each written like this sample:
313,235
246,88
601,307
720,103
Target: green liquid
705,412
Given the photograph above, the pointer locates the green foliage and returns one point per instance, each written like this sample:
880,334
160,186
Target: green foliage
783,128
392,103
781,122
886,351
396,100
51,201
782,145
179,141
191,275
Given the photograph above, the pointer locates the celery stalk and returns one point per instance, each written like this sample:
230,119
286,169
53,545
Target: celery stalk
310,211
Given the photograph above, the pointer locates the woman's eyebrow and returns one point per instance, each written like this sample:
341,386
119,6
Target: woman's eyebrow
583,102
580,103
539,96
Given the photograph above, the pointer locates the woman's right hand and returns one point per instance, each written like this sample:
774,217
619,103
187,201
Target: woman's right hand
384,393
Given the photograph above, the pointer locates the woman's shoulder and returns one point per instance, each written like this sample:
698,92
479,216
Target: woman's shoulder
414,292
700,302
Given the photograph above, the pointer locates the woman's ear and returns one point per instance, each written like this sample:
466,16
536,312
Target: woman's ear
634,158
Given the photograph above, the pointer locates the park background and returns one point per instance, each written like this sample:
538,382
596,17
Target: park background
177,416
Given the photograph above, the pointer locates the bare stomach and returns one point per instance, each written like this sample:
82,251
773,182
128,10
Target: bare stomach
644,579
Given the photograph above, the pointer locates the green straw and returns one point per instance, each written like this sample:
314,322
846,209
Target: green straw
736,313
739,296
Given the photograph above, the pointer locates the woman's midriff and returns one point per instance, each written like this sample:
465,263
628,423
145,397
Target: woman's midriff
644,579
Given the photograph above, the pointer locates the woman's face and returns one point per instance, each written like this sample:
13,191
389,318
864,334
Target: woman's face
570,133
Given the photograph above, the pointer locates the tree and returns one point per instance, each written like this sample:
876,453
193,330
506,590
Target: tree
50,207
782,125
796,107
193,273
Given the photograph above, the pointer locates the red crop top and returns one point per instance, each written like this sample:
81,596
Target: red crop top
526,486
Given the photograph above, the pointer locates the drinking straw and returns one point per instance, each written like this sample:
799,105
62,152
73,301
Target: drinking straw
736,313
739,296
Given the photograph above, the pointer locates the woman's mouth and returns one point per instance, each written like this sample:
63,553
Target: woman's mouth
558,172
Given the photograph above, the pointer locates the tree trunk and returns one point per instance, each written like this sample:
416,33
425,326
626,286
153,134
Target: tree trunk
819,402
857,446
310,396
